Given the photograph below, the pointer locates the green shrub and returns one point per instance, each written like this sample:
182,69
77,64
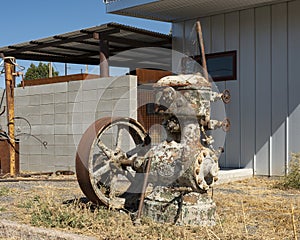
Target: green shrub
292,179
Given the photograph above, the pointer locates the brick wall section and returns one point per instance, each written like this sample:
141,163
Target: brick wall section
60,113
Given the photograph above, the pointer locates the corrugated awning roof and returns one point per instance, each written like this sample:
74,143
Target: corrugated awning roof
82,46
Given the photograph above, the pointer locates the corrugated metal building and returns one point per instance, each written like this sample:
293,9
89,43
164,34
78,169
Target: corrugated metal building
265,106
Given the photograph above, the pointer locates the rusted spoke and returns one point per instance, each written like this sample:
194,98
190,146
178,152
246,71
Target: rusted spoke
101,171
119,137
108,152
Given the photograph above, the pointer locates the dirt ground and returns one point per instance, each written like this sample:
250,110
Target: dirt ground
249,209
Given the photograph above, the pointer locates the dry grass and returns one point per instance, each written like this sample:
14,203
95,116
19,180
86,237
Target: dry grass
251,209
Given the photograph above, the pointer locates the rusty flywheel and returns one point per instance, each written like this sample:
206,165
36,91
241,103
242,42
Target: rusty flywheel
100,178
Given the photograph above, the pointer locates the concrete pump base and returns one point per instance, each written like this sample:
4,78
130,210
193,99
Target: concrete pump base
194,209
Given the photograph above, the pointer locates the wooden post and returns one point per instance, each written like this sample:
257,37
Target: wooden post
202,49
10,85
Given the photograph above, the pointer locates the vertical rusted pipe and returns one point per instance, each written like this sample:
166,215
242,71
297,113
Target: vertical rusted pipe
202,48
143,194
10,85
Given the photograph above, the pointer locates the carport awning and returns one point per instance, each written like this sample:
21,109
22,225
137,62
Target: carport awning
82,46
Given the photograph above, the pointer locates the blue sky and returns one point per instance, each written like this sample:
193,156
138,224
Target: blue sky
24,21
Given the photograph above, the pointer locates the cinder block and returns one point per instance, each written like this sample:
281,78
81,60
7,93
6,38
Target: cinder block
102,114
75,139
33,120
61,139
47,98
33,90
34,159
90,95
24,149
23,159
120,81
120,93
64,163
60,167
47,164
47,109
61,97
61,118
64,150
89,85
22,101
49,150
105,106
47,130
35,100
60,87
75,118
24,167
104,83
35,150
133,114
20,92
124,105
85,126
60,108
133,93
121,114
74,86
75,97
132,81
49,138
75,107
35,168
89,106
33,110
36,129
71,140
61,129
48,88
89,118
105,94
75,129
47,119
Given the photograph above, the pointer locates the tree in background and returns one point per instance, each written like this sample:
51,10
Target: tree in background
40,71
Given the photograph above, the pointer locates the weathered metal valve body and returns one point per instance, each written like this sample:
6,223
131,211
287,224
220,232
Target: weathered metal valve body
187,154
115,158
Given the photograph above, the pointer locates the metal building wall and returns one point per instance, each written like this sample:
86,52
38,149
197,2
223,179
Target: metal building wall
265,106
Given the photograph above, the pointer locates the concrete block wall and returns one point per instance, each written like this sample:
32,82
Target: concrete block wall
60,113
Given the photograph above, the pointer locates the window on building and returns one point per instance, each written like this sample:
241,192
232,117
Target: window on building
221,66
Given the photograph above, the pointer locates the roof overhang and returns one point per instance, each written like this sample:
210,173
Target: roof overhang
176,10
82,46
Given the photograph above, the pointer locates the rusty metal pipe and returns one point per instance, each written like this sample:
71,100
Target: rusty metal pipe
143,194
10,84
202,48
